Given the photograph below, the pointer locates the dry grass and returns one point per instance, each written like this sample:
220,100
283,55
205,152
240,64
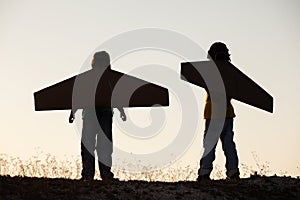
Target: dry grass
48,166
44,165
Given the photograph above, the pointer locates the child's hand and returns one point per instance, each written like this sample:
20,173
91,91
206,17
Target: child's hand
123,116
71,118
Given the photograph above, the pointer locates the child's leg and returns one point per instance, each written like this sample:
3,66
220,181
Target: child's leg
88,142
206,162
105,144
229,148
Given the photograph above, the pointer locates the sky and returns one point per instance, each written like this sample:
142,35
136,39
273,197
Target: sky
44,42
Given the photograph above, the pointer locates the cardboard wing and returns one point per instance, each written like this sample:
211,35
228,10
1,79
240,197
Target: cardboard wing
237,85
102,89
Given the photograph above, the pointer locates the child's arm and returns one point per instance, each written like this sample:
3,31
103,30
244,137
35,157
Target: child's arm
122,113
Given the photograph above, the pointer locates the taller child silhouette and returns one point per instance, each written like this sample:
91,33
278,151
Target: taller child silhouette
219,52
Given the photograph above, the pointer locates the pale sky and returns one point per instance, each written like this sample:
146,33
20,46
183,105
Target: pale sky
44,42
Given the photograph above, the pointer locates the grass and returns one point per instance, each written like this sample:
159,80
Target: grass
40,166
48,166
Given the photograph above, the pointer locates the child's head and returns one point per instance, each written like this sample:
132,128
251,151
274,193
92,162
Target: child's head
218,51
101,59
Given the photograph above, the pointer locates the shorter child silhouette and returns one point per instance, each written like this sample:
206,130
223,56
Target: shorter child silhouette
95,137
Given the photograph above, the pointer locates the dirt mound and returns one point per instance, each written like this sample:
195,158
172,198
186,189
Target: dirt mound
250,188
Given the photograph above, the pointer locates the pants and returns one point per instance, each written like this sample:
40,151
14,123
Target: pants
228,146
99,139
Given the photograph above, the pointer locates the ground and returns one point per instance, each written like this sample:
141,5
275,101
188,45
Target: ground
248,188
